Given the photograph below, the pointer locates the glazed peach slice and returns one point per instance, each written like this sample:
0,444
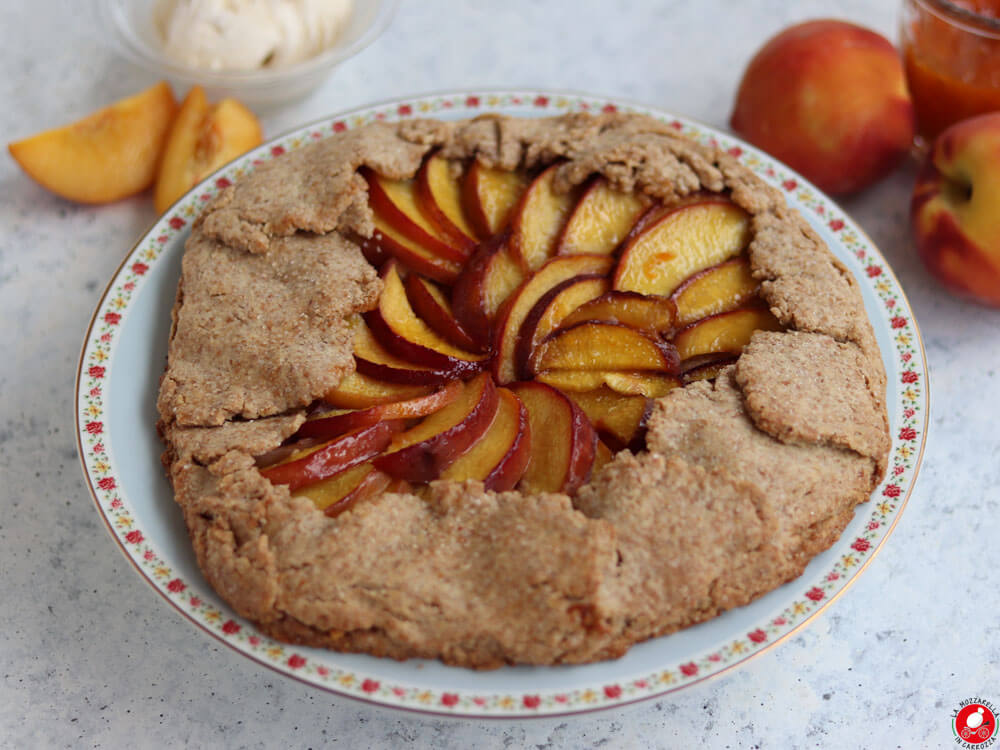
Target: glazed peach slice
489,196
510,320
439,195
680,243
549,312
538,220
601,219
619,419
332,457
203,137
357,391
653,314
342,491
422,452
720,288
396,327
707,368
108,155
395,203
433,306
489,278
498,459
564,441
606,346
648,384
386,242
328,424
726,332
374,360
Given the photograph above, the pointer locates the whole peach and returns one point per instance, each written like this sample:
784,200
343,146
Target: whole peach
829,99
956,209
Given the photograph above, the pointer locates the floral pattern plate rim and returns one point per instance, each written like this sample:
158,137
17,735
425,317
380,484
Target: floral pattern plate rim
123,356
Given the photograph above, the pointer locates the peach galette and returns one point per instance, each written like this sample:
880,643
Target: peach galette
501,390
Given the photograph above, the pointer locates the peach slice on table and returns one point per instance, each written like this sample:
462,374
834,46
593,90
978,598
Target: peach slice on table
433,306
510,320
619,419
386,242
606,346
332,457
726,332
549,312
717,289
651,314
680,243
498,459
395,203
329,424
489,278
601,219
203,137
396,327
439,195
538,220
374,360
357,391
106,156
344,490
489,196
648,384
564,441
422,452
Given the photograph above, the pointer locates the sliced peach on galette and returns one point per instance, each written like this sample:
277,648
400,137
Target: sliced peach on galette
523,331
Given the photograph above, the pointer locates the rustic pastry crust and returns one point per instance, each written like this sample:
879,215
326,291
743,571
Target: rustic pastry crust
744,481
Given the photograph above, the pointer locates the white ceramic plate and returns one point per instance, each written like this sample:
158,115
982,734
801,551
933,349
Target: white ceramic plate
124,354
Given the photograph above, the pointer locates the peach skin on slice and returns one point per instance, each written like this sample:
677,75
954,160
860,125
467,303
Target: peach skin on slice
489,196
433,306
720,288
342,491
619,419
357,391
725,332
549,312
395,203
372,359
606,346
386,242
202,139
564,440
439,195
653,314
498,459
396,327
327,425
538,220
422,452
680,243
510,320
489,278
108,155
323,461
601,219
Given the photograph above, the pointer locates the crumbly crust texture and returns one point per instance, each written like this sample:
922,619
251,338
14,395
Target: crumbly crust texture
744,481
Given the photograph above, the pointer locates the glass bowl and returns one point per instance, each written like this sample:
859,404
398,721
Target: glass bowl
130,26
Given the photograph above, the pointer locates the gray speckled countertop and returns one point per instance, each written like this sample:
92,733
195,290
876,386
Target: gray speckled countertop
91,657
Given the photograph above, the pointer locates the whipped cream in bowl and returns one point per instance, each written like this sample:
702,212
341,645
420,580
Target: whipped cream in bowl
263,52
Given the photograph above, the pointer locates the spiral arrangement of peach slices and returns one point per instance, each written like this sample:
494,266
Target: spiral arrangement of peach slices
522,333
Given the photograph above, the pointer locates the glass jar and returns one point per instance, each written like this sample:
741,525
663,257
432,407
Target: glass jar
951,50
